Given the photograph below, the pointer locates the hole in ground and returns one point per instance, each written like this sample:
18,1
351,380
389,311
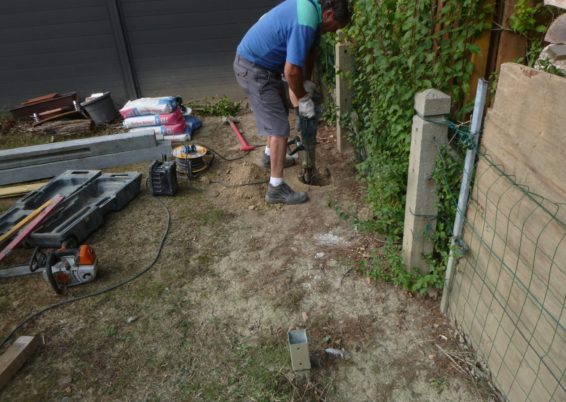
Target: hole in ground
317,177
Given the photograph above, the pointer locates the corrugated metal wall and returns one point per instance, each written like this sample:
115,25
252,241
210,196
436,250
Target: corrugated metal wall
164,47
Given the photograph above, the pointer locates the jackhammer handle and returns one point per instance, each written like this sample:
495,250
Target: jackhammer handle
297,149
298,145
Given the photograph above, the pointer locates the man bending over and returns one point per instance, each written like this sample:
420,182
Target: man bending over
283,43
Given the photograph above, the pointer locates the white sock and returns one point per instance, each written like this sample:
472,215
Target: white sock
275,181
267,151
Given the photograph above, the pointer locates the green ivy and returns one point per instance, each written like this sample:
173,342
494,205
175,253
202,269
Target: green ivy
402,47
524,18
525,21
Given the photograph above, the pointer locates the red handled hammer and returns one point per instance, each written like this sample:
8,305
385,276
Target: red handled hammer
232,121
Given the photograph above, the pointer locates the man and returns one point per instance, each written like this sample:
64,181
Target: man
283,41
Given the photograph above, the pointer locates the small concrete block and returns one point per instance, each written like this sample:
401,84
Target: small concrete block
298,346
432,102
557,52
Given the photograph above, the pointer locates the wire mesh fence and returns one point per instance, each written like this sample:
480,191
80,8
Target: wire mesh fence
509,291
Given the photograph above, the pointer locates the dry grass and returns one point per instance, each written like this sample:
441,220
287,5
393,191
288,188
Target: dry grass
209,321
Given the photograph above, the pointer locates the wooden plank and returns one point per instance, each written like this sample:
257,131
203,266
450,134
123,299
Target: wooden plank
30,227
481,59
21,189
511,45
23,222
40,99
526,234
51,117
501,337
16,356
49,104
521,256
522,237
63,127
524,132
525,271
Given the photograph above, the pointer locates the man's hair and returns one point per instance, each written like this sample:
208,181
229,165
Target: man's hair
341,9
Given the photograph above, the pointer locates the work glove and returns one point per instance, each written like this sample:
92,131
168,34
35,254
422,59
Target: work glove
306,107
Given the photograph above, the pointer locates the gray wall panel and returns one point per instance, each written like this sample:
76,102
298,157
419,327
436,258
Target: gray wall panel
25,6
186,48
177,47
56,46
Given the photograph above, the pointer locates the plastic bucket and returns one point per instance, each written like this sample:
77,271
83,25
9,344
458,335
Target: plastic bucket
101,109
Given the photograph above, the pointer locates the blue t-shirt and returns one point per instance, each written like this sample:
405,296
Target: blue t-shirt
284,34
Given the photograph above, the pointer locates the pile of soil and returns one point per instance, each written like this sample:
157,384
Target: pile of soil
243,183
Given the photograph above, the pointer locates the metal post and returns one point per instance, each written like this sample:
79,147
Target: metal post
475,129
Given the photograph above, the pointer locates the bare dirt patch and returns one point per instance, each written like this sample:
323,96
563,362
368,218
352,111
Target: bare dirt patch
209,321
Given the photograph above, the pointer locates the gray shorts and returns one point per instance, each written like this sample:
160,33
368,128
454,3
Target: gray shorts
267,95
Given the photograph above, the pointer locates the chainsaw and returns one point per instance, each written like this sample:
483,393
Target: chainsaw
64,268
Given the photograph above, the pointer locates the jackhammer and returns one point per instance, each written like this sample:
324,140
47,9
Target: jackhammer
308,128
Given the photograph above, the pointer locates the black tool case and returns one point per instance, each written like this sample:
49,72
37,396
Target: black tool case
82,212
65,184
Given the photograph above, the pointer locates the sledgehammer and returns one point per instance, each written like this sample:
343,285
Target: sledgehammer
232,121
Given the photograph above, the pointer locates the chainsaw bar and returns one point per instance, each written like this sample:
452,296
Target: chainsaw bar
15,272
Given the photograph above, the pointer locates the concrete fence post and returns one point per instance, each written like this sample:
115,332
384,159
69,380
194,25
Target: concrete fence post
344,63
421,205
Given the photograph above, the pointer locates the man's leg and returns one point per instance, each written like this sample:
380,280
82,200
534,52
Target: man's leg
277,190
278,151
266,161
271,115
288,161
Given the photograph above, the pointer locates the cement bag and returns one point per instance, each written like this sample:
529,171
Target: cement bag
192,123
155,120
145,106
178,128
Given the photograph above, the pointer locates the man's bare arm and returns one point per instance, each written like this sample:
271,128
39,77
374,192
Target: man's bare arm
309,63
295,79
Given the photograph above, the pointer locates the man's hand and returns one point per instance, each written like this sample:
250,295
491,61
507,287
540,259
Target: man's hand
302,90
306,107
